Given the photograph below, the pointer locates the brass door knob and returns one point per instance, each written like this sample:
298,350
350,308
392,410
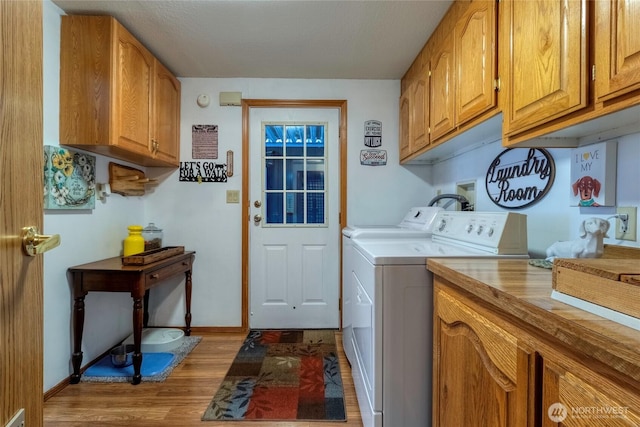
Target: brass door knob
34,243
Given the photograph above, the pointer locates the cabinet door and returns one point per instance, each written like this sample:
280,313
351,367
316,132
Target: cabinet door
573,396
617,48
166,116
476,60
405,125
442,107
132,95
547,64
482,375
420,112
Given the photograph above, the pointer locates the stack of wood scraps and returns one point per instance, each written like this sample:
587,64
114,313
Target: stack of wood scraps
128,181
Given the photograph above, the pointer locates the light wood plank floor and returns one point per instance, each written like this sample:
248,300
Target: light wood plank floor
180,400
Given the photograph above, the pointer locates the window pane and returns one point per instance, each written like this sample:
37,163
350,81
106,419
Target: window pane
315,208
273,170
295,174
295,135
315,174
315,141
295,208
274,208
273,140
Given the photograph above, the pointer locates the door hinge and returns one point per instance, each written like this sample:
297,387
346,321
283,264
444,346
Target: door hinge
593,72
496,84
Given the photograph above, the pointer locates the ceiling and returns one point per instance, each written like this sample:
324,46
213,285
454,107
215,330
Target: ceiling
320,39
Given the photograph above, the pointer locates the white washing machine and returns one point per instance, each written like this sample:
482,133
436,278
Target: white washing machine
417,223
391,309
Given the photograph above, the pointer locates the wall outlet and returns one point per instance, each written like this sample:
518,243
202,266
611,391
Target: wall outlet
628,231
233,196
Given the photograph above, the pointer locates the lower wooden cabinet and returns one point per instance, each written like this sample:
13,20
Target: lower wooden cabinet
488,371
574,396
482,371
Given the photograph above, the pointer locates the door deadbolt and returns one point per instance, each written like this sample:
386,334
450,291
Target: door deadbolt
257,203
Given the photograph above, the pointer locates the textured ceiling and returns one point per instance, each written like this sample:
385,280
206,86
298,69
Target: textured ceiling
325,39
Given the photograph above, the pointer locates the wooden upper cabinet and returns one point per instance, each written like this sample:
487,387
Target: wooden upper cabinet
405,125
132,90
166,115
617,48
476,60
420,112
547,72
116,98
442,101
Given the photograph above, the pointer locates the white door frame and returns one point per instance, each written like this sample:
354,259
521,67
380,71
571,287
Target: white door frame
247,105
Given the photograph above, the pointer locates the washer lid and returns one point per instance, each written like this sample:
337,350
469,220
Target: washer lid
413,251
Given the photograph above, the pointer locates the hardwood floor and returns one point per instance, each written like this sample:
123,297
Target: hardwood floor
180,400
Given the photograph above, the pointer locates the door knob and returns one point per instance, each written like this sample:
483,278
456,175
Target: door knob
34,243
257,218
257,203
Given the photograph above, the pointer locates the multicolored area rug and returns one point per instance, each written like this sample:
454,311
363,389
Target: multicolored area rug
282,375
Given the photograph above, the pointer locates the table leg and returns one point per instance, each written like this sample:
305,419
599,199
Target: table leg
78,326
145,319
187,291
137,339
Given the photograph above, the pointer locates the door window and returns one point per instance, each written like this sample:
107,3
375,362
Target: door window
295,167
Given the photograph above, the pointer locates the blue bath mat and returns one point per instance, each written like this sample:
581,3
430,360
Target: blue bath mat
155,366
152,364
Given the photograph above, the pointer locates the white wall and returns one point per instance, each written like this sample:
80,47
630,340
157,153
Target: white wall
197,215
551,218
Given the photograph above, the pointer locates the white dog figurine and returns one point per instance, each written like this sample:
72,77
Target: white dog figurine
589,245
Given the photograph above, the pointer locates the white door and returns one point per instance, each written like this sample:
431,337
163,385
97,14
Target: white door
294,205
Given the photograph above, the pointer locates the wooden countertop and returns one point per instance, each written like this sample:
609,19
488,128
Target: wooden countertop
524,291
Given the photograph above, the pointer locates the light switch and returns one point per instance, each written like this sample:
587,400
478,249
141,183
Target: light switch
233,196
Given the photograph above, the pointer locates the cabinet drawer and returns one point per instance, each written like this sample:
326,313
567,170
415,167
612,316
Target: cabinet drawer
164,273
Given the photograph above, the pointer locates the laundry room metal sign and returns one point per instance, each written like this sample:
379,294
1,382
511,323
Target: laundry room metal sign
520,177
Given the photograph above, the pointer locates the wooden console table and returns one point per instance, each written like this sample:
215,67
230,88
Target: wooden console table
109,275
